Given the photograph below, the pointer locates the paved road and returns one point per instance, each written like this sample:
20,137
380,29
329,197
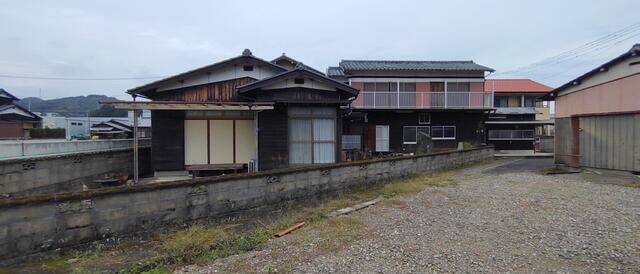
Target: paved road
500,217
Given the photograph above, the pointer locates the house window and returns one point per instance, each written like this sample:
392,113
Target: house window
501,101
424,118
247,68
382,138
458,87
381,86
529,101
436,86
74,123
312,133
410,134
298,81
443,132
407,87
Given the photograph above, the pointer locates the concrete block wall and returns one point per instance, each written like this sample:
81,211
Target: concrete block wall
41,175
37,224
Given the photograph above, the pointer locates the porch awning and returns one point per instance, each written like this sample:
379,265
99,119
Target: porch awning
179,105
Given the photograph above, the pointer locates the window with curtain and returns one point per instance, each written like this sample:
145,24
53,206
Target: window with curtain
312,134
501,101
529,101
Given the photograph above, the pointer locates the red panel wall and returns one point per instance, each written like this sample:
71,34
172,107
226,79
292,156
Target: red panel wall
359,101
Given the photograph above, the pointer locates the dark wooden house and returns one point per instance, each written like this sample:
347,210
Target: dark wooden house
243,113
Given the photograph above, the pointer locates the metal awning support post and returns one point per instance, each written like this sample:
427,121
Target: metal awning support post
135,145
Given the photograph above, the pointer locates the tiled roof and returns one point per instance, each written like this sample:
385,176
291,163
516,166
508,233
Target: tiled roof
335,71
347,65
515,85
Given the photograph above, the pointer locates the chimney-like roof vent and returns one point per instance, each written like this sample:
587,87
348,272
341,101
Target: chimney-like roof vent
246,52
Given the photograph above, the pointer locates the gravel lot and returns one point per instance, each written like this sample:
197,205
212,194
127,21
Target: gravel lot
491,221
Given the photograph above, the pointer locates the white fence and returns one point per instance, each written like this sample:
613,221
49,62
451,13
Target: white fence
32,148
424,100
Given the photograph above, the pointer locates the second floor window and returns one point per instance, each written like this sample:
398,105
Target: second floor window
529,101
501,101
458,87
436,86
380,87
407,87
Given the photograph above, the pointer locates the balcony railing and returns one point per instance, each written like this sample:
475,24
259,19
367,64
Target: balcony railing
424,100
511,134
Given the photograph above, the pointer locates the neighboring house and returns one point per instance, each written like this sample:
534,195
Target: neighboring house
597,116
243,113
519,120
117,129
77,127
399,101
15,121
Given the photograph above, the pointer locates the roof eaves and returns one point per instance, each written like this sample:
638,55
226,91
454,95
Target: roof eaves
145,87
634,51
301,68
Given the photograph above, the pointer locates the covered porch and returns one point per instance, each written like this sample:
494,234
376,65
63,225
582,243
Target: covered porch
204,138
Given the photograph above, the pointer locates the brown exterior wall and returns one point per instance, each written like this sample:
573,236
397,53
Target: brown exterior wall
11,130
224,91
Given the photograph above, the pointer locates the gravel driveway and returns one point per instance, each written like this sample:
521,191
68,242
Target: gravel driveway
519,221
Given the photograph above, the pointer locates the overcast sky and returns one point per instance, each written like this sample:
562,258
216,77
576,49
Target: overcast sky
107,39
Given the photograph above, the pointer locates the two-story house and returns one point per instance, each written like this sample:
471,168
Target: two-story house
399,101
519,120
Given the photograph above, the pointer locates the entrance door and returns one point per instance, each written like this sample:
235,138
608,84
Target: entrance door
382,138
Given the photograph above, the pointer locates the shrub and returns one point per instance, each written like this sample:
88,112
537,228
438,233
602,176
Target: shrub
47,133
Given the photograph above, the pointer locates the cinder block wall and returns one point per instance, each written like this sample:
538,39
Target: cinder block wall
36,224
68,172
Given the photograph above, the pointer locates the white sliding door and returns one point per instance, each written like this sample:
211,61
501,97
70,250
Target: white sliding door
221,141
195,142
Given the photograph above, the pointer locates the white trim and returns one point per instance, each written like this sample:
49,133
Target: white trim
359,79
416,127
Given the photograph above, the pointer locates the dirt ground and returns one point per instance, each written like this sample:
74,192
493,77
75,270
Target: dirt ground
497,217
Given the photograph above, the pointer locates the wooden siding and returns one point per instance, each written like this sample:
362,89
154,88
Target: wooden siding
297,95
167,149
611,142
224,91
273,150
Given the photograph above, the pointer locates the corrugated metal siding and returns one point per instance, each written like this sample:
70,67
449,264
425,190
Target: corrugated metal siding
562,140
610,142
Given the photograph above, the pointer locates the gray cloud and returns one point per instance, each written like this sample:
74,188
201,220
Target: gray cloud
155,38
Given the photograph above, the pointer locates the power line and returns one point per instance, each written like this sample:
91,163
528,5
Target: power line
78,79
593,46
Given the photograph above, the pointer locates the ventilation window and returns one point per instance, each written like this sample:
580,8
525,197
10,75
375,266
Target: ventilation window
298,81
247,68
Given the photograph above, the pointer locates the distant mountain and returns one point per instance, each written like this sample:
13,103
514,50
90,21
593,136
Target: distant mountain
73,106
